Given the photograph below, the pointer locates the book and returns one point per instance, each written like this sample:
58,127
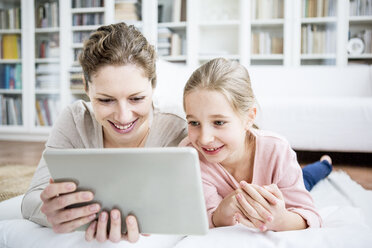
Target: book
10,46
179,9
40,120
176,45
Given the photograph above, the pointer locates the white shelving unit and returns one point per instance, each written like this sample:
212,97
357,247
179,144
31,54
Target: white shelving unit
207,29
16,92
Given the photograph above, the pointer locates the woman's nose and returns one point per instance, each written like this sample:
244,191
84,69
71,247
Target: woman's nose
123,113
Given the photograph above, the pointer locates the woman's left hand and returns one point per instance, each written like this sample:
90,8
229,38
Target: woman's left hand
98,229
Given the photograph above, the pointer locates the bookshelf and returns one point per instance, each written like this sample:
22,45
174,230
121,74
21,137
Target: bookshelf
172,30
47,84
256,32
11,64
359,45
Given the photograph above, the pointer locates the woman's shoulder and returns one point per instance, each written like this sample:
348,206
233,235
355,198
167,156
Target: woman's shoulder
76,124
167,128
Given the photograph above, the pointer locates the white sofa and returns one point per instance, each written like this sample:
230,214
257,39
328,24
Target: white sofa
316,108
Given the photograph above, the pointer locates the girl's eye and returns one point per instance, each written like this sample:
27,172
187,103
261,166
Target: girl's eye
219,123
105,100
194,123
137,99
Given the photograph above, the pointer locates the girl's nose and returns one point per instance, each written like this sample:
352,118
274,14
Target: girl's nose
206,136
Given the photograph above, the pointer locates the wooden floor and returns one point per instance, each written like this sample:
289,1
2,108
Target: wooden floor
357,165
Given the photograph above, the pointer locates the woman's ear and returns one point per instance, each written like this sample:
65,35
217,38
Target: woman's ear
85,83
251,117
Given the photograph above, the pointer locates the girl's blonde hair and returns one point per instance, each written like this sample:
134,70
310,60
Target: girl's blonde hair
226,77
117,44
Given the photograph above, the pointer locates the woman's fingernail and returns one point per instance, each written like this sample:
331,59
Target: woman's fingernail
94,207
239,196
92,216
70,186
243,183
270,218
103,216
130,220
114,215
87,195
263,228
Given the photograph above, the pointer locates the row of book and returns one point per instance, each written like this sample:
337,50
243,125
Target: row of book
319,8
177,11
87,19
127,11
81,36
170,43
46,111
76,81
316,39
47,14
10,46
47,47
47,76
360,7
267,9
87,3
10,76
266,43
10,18
10,110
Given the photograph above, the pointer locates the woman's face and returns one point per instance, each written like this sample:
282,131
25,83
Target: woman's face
121,97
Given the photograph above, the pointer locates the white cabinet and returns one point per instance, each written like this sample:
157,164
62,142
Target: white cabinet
40,74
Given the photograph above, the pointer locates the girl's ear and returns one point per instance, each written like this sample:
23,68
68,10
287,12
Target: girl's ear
251,117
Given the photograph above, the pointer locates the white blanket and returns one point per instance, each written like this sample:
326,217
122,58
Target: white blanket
343,204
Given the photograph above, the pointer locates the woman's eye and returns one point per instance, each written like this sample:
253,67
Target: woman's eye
137,99
105,100
194,123
219,123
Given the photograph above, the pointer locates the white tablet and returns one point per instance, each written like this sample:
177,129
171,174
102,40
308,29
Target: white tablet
160,186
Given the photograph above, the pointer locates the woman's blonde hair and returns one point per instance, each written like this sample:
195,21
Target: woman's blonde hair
227,77
117,44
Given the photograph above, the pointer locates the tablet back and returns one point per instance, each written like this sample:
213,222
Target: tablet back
160,186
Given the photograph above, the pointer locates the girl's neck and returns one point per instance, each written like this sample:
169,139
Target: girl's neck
242,166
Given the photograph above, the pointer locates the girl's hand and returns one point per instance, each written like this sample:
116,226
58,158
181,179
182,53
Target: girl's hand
229,212
57,196
98,229
269,203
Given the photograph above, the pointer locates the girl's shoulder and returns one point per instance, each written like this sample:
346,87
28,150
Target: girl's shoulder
265,138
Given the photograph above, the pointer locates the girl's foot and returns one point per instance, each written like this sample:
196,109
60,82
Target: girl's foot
327,158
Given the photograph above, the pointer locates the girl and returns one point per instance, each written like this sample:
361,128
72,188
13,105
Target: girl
249,176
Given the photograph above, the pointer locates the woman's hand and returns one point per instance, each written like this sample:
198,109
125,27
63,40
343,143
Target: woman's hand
268,201
229,212
57,196
98,229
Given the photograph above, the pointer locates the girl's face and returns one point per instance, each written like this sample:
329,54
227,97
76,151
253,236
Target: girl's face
121,97
214,128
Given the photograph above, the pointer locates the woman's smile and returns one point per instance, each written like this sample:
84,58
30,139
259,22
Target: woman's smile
124,128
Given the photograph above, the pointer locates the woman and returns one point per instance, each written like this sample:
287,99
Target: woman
119,72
